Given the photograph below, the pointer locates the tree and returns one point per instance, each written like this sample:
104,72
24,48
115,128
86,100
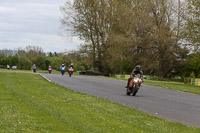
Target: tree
6,61
163,46
8,52
1,55
21,53
33,52
193,65
40,62
192,25
50,54
89,23
147,30
56,62
15,60
55,54
24,63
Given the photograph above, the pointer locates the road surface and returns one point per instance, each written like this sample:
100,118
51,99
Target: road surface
169,104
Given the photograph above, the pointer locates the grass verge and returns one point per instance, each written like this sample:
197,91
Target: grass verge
38,71
29,103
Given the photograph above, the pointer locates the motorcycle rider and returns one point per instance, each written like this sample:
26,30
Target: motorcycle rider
62,69
50,69
71,66
34,68
135,71
70,69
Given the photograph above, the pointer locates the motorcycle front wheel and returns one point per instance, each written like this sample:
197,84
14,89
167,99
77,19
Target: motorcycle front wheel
135,90
128,91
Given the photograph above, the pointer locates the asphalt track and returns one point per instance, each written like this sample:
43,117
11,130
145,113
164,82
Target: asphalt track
169,104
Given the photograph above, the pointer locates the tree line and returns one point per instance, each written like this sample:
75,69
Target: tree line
163,36
25,58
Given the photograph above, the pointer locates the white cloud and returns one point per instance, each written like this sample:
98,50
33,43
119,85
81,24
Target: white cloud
48,42
6,9
33,22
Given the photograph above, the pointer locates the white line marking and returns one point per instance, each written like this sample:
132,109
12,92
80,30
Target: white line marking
45,78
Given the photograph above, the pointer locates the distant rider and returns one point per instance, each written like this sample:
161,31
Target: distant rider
62,69
71,66
135,71
50,69
34,68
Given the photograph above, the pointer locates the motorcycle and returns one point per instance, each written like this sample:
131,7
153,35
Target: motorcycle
50,70
62,72
62,69
34,70
134,85
70,71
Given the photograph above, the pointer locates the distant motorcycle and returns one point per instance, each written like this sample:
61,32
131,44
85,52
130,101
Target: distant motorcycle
70,71
62,69
50,70
34,70
134,85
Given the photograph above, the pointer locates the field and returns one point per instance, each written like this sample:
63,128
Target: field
29,103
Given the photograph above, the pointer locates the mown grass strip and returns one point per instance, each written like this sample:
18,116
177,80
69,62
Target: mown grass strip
29,103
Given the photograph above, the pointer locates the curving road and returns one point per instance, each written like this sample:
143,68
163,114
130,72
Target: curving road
161,102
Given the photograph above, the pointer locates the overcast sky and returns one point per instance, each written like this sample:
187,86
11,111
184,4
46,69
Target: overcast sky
33,22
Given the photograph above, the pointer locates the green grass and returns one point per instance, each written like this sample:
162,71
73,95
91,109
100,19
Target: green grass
175,85
29,103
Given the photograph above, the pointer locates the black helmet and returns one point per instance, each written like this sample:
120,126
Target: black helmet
138,67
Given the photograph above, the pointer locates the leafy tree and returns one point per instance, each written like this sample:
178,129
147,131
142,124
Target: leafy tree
15,60
10,60
89,23
40,62
31,52
24,63
56,62
21,53
55,54
193,65
4,61
50,54
1,55
192,25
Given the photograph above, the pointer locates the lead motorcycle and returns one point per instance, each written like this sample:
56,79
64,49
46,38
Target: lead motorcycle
134,85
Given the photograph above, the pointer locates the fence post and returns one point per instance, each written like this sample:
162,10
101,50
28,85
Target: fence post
193,81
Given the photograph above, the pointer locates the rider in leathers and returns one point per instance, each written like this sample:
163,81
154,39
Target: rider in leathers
135,71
